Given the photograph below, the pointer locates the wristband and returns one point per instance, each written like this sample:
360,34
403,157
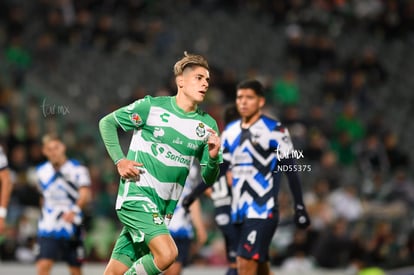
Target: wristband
116,162
3,212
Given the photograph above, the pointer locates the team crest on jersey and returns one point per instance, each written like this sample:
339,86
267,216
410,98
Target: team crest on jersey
157,219
201,130
136,119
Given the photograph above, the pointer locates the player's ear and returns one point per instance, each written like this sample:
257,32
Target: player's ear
64,147
179,80
262,102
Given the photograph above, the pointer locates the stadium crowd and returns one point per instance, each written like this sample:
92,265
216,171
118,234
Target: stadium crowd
359,189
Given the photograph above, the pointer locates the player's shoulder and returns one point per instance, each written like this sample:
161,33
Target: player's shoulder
158,100
76,164
272,123
206,116
233,124
43,166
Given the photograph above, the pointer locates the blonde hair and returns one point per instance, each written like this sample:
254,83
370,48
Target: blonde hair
189,60
50,137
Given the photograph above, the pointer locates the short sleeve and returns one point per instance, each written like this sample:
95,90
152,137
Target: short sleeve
83,177
134,115
3,159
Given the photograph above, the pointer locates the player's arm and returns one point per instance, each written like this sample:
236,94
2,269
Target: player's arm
202,187
84,196
108,127
301,216
198,224
210,171
6,187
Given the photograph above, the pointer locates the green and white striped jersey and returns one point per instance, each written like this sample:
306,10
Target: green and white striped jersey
166,140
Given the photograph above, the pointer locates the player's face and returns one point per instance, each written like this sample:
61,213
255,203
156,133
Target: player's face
248,103
195,83
54,150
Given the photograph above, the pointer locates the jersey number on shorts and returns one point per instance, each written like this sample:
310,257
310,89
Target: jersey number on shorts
252,237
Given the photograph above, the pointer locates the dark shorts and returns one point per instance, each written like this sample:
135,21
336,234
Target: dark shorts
255,237
229,233
183,246
70,251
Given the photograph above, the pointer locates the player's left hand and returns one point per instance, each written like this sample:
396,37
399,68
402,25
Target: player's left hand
214,143
302,219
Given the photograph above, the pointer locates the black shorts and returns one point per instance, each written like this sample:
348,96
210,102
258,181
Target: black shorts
70,251
229,233
255,237
183,246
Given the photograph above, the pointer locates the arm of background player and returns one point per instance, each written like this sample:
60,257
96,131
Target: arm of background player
301,216
202,187
294,181
195,193
83,199
6,187
197,220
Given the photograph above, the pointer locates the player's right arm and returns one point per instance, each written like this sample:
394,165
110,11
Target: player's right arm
127,118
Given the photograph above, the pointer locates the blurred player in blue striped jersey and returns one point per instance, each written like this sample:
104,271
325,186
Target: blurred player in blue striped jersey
253,146
65,186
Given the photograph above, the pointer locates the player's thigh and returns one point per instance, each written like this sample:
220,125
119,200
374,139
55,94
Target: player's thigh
255,236
164,250
126,251
140,228
115,267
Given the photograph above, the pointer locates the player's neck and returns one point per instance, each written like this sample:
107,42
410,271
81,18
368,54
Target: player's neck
249,121
185,104
58,164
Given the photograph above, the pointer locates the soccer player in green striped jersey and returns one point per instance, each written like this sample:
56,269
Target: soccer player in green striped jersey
169,133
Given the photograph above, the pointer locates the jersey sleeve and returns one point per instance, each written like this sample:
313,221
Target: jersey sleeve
134,115
3,160
281,142
84,179
204,159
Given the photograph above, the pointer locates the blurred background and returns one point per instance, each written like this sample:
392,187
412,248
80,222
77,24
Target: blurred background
338,74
